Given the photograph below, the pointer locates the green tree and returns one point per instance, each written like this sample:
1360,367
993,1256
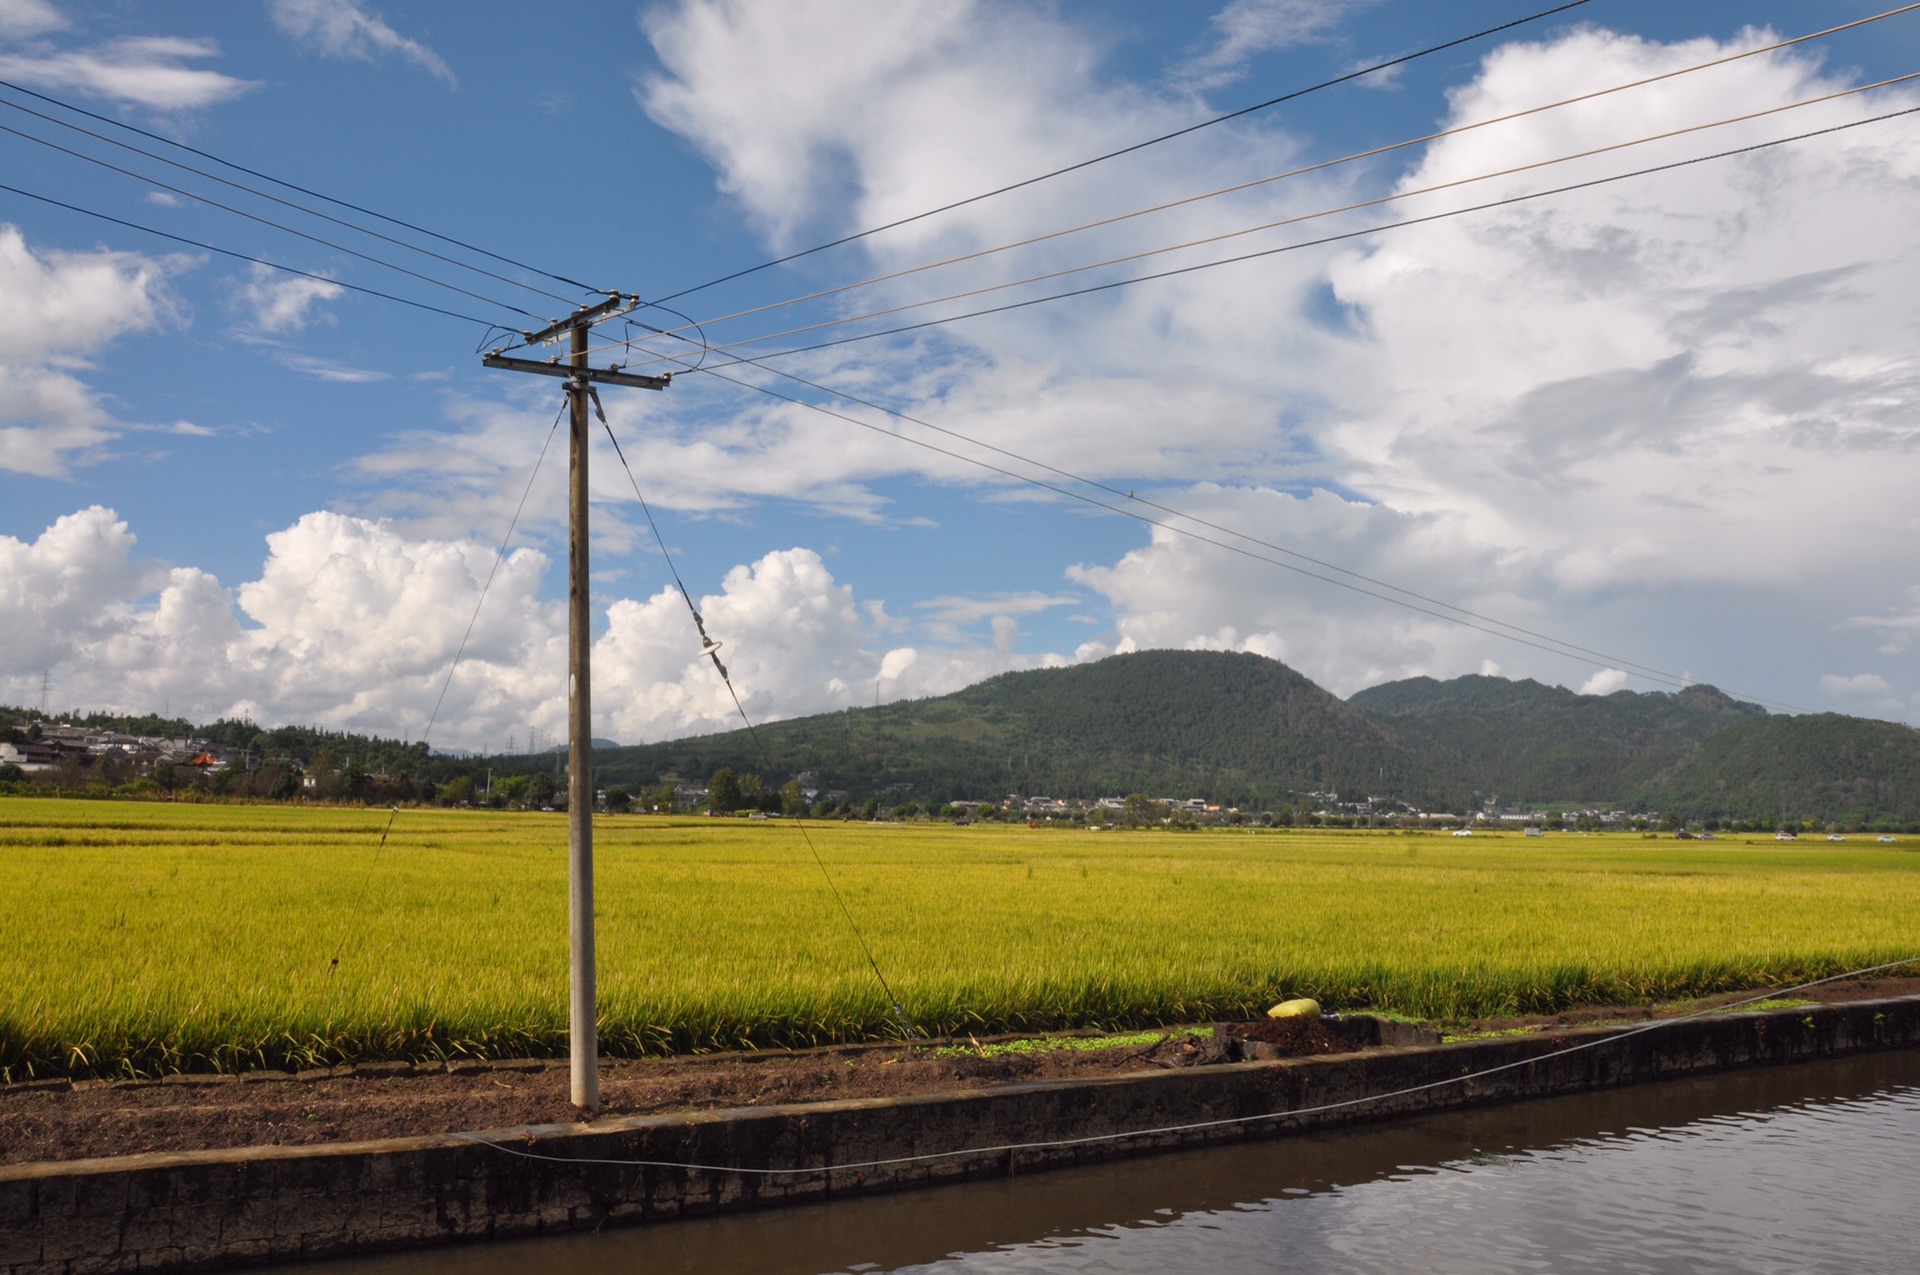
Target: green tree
163,774
459,791
792,800
752,790
619,800
540,790
511,790
723,792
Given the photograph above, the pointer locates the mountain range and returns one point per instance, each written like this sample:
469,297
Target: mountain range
1242,729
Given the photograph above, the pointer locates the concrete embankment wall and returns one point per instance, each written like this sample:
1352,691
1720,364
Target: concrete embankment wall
224,1208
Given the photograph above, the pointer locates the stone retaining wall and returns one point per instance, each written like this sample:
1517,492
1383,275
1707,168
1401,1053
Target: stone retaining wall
223,1208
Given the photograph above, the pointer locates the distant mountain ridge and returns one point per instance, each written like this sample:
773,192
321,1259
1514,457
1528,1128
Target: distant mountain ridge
1233,727
1825,764
1528,742
1242,729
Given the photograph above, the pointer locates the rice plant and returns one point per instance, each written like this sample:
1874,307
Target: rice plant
140,939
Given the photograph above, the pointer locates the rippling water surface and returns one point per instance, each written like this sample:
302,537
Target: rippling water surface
1810,1168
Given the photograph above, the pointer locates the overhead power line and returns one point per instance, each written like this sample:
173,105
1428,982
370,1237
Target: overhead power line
1304,170
242,256
1361,73
287,185
1360,233
1449,613
269,223
1461,616
1298,219
285,203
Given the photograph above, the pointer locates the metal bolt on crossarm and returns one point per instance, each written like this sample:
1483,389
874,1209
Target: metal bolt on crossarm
583,1008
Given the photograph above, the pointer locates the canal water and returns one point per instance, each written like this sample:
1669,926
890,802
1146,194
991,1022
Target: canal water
1807,1168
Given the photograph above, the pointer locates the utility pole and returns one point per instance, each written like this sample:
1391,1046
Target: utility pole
583,1032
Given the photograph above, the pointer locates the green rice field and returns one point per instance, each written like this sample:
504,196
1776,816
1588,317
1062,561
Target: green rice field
142,938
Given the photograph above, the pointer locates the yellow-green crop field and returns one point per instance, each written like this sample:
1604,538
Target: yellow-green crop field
139,938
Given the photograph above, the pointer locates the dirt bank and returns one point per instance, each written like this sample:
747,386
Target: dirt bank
55,1121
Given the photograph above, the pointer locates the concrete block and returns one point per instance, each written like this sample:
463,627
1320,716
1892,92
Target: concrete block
17,1202
19,1242
249,1220
144,1230
68,1237
100,1194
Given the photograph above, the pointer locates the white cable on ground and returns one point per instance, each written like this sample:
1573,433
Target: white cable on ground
1014,1148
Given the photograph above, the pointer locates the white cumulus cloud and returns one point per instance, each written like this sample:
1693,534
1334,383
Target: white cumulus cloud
1581,414
149,71
61,591
62,308
1246,28
1861,686
20,18
277,302
1605,682
344,29
353,624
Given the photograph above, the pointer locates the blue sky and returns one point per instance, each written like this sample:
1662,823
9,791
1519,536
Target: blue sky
1669,419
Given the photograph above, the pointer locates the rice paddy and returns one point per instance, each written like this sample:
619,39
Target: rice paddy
146,938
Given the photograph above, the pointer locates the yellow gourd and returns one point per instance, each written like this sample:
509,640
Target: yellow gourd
1299,1007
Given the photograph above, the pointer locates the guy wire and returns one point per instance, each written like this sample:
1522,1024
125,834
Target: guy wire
711,650
1504,629
499,557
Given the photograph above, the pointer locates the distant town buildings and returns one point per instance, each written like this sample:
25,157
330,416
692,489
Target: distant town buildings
55,743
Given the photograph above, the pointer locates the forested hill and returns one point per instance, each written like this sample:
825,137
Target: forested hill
1824,764
1527,742
1237,728
1247,730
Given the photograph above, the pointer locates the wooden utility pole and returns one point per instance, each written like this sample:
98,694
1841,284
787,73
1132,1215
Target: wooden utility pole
583,1016
583,1028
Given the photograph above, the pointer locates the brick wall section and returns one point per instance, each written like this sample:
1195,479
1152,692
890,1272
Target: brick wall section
228,1208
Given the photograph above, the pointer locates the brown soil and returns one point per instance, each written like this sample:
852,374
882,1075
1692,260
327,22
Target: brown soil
46,1121
1597,1015
54,1121
1295,1037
